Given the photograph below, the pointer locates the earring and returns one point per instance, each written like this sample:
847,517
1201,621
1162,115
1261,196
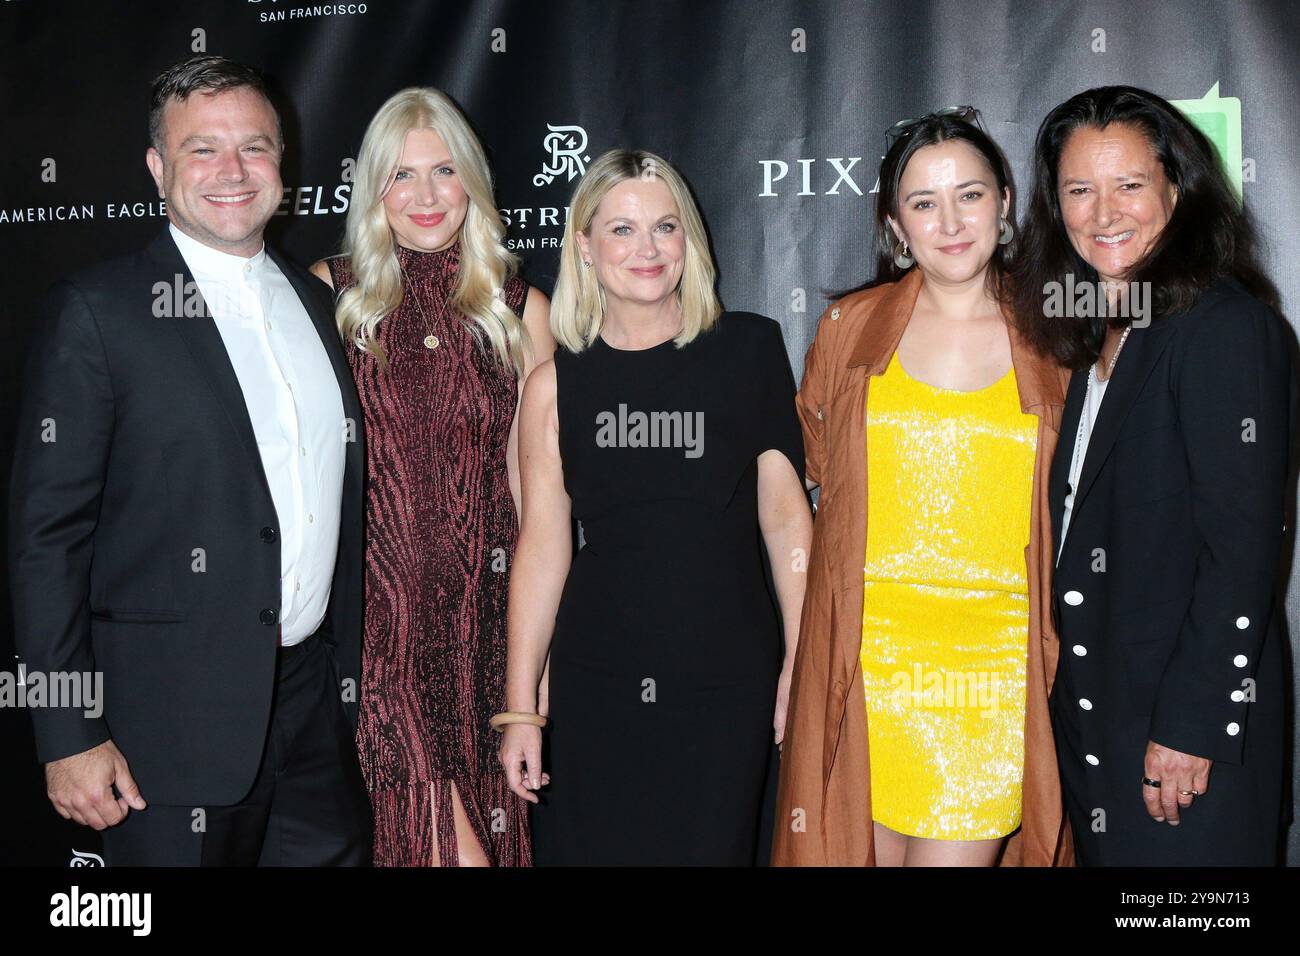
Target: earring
587,263
901,257
1006,231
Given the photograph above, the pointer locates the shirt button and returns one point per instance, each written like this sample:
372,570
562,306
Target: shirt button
1240,660
1243,623
267,616
310,519
1079,650
268,323
1091,759
1238,696
1085,703
1233,729
304,452
1073,598
297,585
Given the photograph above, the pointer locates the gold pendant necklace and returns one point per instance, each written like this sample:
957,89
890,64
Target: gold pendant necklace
430,340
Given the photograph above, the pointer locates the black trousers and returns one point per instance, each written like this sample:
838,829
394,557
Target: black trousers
308,805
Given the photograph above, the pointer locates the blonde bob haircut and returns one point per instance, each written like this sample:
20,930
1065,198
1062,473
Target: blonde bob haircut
485,263
578,304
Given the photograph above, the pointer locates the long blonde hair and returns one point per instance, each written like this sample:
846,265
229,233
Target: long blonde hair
485,263
578,304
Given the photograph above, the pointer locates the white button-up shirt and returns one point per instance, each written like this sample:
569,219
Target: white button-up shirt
296,412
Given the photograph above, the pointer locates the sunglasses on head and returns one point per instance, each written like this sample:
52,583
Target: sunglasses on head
903,128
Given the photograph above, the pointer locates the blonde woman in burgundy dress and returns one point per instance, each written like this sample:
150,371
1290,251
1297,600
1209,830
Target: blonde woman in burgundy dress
440,334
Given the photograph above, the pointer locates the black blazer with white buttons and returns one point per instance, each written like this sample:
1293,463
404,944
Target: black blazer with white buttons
1164,592
143,540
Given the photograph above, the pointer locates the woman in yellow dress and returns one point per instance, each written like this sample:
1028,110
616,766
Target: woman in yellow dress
958,420
946,606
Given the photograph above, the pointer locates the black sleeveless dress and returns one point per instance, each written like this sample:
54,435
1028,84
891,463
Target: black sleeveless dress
667,642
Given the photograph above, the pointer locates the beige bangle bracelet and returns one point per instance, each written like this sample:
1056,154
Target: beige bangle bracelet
516,717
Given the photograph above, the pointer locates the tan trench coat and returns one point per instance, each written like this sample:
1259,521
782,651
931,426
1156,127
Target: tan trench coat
824,801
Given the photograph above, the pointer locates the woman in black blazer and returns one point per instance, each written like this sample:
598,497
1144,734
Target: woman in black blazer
1168,489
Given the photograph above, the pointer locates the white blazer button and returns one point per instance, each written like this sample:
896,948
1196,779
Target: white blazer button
1233,729
1091,759
1079,650
1238,696
1240,660
1085,703
1243,623
1073,598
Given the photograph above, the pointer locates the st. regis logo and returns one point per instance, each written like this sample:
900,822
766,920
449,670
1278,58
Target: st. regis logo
567,146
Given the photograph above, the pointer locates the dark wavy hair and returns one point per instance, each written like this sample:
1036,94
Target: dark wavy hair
1209,235
929,131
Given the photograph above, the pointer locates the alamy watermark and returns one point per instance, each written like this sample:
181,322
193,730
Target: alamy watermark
625,429
946,689
1099,299
74,908
78,690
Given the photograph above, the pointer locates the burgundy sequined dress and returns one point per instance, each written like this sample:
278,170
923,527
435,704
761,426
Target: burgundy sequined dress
440,536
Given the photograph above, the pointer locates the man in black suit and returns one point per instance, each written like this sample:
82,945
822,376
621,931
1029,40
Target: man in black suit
186,518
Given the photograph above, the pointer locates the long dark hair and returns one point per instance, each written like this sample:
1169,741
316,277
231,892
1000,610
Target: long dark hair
928,131
1209,235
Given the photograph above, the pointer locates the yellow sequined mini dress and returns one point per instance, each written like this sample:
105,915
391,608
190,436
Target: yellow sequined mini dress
945,618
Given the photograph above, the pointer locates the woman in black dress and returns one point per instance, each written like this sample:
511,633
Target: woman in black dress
668,430
1168,489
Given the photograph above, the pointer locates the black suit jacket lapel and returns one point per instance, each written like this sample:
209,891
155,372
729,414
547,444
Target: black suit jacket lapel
204,341
1059,479
1139,356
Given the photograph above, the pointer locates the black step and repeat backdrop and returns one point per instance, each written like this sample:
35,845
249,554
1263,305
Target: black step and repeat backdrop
774,110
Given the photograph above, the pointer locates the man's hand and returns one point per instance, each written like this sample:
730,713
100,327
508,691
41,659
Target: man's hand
81,787
1176,772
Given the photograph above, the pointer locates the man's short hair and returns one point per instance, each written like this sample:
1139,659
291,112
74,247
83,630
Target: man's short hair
202,73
